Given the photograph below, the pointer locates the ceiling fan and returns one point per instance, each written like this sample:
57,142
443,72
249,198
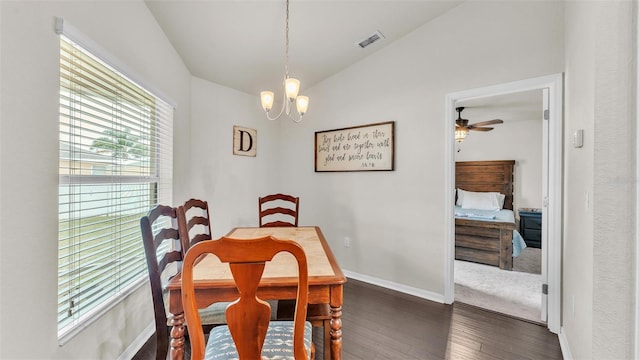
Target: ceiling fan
463,126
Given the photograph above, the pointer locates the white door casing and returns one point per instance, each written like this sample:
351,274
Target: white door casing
553,209
545,203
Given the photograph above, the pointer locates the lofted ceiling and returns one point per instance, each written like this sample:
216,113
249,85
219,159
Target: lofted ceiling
241,43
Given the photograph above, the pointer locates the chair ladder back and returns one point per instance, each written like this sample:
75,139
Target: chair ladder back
199,216
157,266
265,209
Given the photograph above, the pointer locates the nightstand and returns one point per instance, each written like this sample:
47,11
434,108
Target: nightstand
531,226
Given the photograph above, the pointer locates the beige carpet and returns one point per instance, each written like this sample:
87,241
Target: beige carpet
528,261
513,293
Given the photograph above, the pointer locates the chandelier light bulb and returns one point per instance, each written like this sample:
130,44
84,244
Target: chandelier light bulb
266,98
302,103
292,86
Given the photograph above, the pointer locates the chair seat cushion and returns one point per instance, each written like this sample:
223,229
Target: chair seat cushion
277,345
215,314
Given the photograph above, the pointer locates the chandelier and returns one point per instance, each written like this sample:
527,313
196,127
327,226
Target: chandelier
291,88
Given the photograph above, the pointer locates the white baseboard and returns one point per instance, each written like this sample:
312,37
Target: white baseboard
428,295
138,343
564,345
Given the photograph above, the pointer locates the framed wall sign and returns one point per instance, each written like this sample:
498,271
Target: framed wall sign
359,148
245,141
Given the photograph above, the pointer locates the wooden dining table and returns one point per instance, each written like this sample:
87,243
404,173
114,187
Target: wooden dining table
214,283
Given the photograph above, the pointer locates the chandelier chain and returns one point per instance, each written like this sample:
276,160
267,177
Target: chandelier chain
286,47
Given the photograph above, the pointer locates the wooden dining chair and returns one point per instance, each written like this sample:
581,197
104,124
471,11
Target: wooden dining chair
161,241
194,223
319,315
163,251
278,210
249,333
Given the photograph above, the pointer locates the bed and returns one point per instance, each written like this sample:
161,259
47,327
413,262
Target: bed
486,235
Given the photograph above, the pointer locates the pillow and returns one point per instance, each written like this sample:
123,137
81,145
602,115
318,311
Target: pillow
480,200
500,199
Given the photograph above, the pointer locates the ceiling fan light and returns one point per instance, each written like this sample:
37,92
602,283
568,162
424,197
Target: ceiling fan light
461,133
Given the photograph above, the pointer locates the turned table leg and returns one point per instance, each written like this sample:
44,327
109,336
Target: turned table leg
177,337
336,322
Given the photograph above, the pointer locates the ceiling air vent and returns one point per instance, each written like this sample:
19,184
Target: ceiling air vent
371,39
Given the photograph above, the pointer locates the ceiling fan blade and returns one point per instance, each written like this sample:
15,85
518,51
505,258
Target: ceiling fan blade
488,122
474,128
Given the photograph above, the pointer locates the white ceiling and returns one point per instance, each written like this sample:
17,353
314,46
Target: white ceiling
240,43
520,106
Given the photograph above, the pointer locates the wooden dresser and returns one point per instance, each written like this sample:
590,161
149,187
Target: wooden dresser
531,226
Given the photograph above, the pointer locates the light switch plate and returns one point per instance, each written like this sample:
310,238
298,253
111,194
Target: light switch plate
578,138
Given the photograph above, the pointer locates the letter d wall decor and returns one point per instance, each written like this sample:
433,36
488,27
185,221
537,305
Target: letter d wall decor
245,141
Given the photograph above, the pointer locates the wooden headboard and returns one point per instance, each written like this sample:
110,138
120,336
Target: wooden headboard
487,176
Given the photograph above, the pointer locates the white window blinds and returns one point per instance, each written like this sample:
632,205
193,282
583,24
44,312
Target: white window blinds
115,164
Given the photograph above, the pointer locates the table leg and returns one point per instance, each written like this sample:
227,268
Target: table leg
177,337
336,322
336,333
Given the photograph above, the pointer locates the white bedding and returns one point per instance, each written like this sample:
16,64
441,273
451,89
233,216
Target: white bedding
503,215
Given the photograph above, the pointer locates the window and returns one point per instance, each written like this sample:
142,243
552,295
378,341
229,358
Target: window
115,164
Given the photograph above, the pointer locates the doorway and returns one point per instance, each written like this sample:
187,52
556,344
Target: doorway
551,87
509,129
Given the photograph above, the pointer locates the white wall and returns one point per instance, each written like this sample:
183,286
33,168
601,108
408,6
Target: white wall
599,237
396,219
230,183
577,280
513,140
29,158
614,174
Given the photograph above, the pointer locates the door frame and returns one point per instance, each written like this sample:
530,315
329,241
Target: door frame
554,84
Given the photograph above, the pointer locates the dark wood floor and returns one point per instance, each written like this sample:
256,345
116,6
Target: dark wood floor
378,323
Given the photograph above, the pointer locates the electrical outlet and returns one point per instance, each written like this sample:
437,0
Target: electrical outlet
347,241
